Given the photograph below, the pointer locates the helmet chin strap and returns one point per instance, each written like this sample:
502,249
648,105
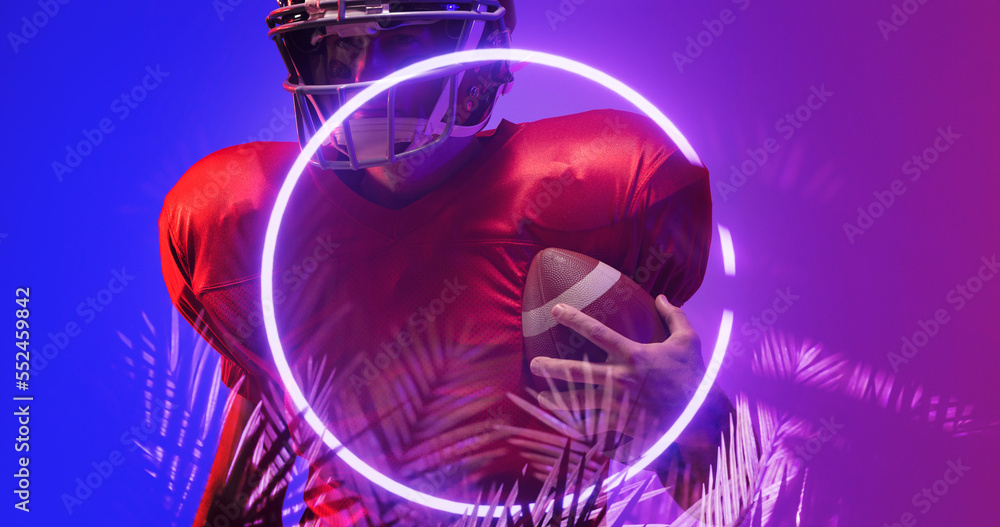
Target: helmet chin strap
369,135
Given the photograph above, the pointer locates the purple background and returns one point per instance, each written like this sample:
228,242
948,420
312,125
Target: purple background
890,97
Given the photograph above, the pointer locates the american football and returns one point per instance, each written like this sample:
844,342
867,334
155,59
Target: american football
595,288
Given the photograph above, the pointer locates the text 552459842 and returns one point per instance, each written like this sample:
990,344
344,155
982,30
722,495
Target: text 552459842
22,411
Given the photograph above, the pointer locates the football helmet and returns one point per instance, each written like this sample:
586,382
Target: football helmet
333,49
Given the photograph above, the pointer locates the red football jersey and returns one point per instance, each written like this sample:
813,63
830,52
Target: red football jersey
411,318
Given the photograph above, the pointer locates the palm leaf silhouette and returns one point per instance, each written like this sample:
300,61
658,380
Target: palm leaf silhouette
808,365
757,479
178,453
181,377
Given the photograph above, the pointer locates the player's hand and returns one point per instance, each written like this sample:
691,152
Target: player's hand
641,388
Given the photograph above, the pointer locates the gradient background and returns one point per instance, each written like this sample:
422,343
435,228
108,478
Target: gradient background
64,238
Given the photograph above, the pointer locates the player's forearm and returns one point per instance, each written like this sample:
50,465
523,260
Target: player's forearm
232,430
697,449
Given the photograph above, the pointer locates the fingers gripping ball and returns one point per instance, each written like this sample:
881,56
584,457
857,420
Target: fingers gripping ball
595,288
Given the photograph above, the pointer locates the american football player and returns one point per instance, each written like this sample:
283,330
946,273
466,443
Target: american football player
406,246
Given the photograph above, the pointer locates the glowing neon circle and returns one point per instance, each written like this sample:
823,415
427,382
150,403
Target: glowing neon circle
271,237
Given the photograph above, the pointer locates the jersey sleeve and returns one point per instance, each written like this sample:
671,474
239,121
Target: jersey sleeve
676,229
176,264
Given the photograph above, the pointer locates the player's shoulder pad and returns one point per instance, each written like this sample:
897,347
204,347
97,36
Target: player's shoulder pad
606,129
247,173
632,142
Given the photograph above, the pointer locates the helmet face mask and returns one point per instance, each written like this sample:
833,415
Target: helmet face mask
334,49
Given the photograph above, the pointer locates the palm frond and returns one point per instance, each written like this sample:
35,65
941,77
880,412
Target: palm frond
424,425
182,397
178,390
808,365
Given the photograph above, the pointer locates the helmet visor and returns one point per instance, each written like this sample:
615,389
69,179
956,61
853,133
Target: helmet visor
353,53
356,54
